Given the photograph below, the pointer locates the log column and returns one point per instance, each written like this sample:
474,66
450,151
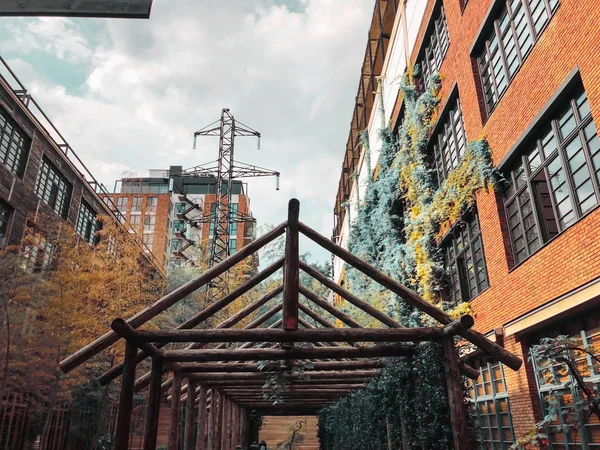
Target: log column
458,411
190,420
217,404
126,398
153,410
175,404
291,268
201,439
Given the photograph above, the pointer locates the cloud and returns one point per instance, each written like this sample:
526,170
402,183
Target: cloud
287,69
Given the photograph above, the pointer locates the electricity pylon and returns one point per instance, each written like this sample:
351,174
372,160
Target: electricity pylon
226,170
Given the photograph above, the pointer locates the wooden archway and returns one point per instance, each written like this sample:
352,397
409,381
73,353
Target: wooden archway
222,384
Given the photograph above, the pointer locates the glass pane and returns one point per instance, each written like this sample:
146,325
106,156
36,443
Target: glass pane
566,122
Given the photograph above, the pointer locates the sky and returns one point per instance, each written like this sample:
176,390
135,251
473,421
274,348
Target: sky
129,94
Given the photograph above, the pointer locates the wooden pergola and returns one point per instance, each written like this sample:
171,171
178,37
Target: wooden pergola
220,385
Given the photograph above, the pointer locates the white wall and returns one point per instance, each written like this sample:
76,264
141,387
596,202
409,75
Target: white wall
394,68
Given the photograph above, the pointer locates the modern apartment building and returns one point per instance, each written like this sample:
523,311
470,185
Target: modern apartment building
525,75
41,173
175,213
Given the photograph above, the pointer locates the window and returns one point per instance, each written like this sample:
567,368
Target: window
13,145
136,204
149,222
178,225
87,225
179,207
39,254
465,262
175,245
148,240
135,222
518,26
5,211
555,180
556,380
450,143
437,41
174,262
490,407
151,203
122,204
232,246
53,188
233,225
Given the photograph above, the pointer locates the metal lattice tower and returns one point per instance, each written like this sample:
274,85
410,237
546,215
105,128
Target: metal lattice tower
226,170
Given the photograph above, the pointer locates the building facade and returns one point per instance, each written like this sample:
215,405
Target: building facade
524,74
39,171
175,213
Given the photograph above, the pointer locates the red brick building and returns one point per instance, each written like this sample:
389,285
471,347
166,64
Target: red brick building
525,75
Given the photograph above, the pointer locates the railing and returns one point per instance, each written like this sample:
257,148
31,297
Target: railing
51,133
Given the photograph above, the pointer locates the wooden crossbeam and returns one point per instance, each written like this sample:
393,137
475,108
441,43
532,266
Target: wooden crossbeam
489,347
299,335
257,354
105,341
252,367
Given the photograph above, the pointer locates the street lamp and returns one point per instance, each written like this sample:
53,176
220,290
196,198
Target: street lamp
123,9
262,445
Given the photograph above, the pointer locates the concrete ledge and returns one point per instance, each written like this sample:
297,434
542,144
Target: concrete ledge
124,9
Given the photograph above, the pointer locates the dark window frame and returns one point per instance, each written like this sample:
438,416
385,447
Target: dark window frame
486,407
53,188
435,44
6,213
459,247
490,44
15,145
532,227
87,222
450,130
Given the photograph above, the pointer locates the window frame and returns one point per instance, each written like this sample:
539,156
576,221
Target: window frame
50,174
462,291
491,31
495,397
15,136
534,145
6,214
448,127
90,221
429,45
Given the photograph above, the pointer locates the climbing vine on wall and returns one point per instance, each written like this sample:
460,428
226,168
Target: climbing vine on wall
398,223
397,228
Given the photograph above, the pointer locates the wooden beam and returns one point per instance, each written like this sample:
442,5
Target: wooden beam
174,410
207,378
115,371
258,354
126,398
351,298
252,367
458,412
411,297
316,317
459,325
299,335
153,409
202,438
324,304
190,419
105,341
291,270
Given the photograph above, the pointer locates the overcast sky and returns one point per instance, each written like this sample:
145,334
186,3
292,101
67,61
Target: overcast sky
129,94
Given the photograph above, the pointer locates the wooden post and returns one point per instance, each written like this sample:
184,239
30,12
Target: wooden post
211,420
190,421
458,412
201,440
150,433
218,405
126,398
291,268
224,425
175,404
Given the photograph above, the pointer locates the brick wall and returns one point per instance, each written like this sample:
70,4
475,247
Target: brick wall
571,259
